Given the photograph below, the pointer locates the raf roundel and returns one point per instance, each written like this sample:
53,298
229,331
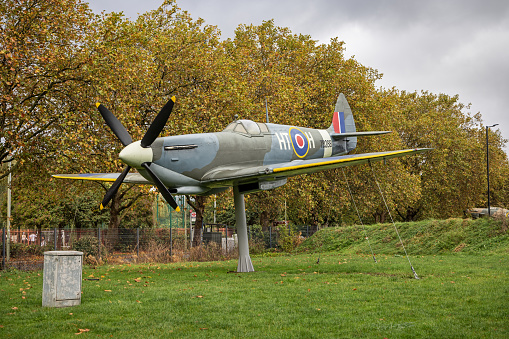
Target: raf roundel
300,142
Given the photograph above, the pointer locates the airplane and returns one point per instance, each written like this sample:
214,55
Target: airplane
248,156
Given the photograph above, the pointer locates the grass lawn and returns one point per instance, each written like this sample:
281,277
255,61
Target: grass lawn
458,296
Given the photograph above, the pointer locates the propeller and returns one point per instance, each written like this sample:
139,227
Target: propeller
132,153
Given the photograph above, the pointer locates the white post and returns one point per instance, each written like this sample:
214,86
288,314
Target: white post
8,241
245,264
191,229
214,208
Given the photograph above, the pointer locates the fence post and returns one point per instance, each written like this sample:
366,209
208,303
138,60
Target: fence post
55,237
138,242
171,240
3,248
307,231
99,241
270,236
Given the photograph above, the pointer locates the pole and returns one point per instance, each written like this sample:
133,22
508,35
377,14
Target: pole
215,209
266,110
99,242
270,236
184,219
9,181
55,238
244,264
488,167
3,248
488,170
157,210
191,230
286,222
138,242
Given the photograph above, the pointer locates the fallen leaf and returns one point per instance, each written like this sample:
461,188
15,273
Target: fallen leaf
14,308
199,296
107,290
81,330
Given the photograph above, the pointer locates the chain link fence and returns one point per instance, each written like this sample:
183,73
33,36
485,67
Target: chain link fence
25,248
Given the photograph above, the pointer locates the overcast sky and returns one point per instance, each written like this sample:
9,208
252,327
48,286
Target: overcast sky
442,46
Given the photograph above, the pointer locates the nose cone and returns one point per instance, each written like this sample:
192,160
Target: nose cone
134,155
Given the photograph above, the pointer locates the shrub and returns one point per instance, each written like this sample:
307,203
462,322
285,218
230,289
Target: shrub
89,245
289,240
210,252
19,250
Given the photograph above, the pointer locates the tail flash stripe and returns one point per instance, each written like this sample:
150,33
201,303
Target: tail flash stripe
338,121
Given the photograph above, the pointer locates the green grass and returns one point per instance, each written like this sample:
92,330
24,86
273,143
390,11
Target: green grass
346,295
424,237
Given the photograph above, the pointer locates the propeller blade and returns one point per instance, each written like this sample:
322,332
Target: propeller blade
158,124
114,188
162,189
115,125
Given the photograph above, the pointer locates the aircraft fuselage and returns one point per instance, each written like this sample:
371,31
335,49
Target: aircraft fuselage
186,160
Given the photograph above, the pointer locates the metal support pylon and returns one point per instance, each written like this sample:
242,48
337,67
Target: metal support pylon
245,264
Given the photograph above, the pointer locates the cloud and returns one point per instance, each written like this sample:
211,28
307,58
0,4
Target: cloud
452,47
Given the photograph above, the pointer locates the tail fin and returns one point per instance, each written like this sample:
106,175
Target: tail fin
343,125
342,130
342,120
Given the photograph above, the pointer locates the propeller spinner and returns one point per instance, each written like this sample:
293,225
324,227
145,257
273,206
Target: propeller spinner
138,154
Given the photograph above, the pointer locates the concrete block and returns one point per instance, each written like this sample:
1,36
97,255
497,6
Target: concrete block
62,278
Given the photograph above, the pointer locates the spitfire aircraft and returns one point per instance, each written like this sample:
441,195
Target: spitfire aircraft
248,156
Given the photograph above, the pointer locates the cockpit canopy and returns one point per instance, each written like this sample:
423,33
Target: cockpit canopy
247,127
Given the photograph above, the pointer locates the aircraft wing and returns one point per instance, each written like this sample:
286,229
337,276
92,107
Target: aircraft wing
259,173
131,178
309,166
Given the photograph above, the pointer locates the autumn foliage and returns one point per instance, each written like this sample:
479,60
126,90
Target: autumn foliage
58,58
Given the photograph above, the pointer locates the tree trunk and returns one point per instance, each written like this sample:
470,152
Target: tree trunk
199,207
264,220
114,213
112,233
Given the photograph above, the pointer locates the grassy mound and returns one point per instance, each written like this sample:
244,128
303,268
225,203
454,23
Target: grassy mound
423,237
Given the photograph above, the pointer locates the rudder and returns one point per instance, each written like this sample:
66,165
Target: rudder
343,121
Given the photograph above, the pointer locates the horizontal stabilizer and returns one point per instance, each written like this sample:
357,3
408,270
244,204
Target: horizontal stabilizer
357,134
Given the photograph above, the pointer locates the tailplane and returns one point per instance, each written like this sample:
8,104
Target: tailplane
342,129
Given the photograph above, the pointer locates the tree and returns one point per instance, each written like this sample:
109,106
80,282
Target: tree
452,174
41,57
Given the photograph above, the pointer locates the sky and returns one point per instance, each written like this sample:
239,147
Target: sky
456,47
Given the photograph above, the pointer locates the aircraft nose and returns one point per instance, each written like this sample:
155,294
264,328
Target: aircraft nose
134,155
